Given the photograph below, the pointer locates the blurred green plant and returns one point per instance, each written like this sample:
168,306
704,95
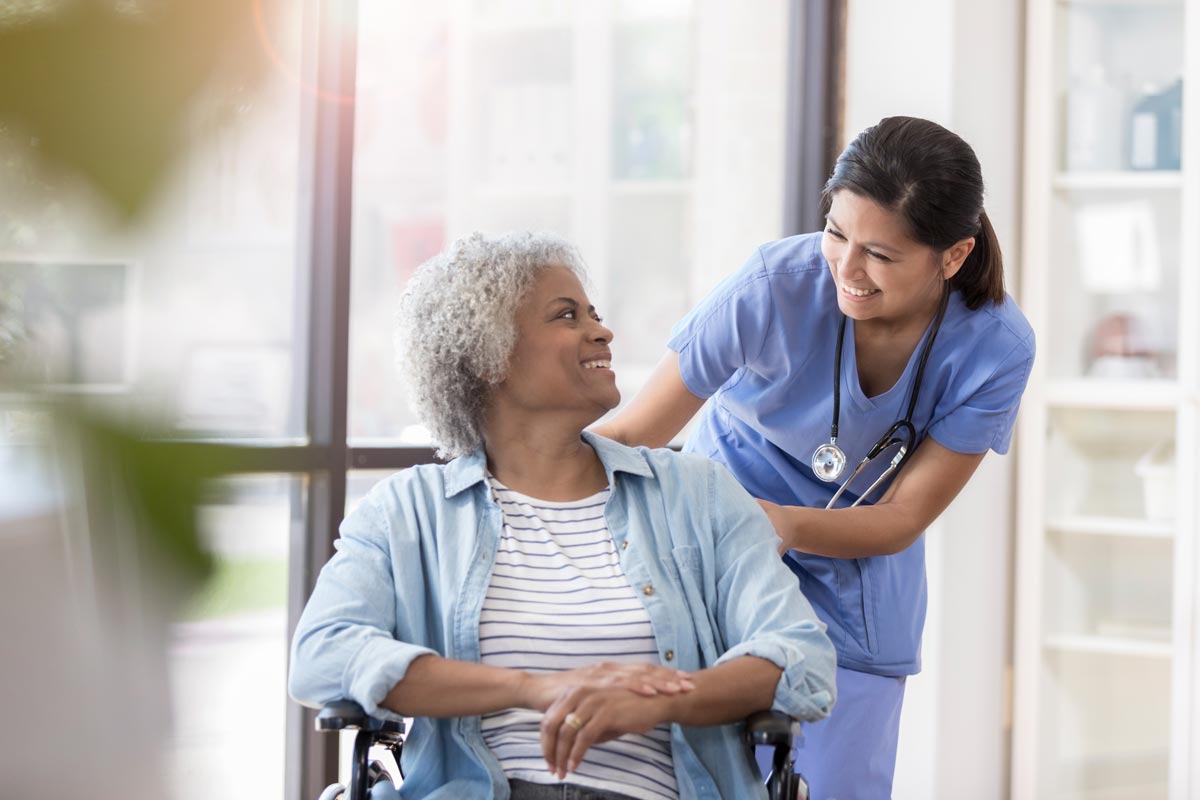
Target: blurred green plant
103,90
160,484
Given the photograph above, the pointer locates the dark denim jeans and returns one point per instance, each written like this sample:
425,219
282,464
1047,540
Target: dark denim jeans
525,790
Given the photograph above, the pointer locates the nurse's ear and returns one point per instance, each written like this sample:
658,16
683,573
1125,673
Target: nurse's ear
954,256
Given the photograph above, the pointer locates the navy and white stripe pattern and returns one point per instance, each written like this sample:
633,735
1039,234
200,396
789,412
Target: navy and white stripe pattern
558,599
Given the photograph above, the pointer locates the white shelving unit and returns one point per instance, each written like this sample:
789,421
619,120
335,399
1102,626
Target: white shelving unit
1107,673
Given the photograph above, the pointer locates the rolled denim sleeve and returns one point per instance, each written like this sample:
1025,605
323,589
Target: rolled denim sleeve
346,644
760,608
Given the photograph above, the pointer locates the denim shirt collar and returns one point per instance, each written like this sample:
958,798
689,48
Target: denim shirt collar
466,471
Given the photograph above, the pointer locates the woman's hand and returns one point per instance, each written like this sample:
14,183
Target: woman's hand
646,680
585,716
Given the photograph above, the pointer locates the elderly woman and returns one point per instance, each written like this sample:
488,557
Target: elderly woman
560,613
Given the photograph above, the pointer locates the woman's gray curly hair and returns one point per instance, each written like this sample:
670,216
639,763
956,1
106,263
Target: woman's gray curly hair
457,327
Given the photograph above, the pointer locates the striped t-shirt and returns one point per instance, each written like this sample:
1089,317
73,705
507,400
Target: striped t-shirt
557,600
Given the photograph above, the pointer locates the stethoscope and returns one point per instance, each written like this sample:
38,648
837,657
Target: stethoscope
829,460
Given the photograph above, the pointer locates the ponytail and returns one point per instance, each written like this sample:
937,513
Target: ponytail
981,277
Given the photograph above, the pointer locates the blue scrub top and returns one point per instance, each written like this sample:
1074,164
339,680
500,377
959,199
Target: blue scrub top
761,347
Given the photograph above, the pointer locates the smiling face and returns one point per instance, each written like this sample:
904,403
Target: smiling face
881,272
561,363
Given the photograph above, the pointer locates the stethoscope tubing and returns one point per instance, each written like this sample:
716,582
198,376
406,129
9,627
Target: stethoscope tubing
908,444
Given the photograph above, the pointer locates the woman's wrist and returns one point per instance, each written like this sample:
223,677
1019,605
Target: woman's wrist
673,708
530,691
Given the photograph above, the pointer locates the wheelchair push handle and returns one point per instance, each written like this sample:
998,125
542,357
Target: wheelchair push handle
349,715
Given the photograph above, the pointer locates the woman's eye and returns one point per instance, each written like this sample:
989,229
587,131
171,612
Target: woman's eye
835,234
568,314
878,256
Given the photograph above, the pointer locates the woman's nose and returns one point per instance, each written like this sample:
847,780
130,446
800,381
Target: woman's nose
601,333
850,265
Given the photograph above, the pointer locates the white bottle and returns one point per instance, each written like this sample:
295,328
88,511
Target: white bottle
1094,116
1143,131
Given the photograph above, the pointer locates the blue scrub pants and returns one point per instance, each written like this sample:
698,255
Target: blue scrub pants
851,755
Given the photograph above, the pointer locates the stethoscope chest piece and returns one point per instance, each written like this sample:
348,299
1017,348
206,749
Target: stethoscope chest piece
829,462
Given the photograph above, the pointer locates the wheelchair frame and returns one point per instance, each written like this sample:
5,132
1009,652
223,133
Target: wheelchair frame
768,728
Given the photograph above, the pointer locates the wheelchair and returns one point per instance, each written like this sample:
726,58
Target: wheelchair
769,728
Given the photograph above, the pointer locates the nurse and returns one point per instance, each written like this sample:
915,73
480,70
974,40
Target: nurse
901,301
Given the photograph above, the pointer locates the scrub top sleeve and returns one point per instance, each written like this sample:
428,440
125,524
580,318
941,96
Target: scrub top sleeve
985,420
759,607
343,647
726,330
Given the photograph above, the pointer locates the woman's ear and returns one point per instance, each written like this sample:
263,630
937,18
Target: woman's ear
954,256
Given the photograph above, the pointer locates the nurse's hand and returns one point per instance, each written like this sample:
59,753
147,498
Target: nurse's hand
781,520
647,680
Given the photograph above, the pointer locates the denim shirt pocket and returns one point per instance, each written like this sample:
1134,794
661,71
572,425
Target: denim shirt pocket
857,602
687,562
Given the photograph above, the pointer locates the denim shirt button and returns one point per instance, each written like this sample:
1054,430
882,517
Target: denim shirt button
647,590
669,655
625,545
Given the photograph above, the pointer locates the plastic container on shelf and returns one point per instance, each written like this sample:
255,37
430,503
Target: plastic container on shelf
1157,471
1156,128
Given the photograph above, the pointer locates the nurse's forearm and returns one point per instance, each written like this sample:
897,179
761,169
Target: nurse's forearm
659,411
845,532
917,496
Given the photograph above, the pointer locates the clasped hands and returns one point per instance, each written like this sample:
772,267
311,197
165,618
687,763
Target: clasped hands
597,703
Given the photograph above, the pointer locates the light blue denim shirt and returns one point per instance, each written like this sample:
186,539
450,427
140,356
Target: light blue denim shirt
413,564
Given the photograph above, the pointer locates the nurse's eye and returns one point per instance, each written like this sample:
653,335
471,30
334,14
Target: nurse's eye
878,256
835,234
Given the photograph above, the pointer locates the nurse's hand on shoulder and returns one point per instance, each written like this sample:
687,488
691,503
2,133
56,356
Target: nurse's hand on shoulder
779,520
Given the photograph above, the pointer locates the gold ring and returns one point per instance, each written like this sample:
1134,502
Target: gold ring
574,721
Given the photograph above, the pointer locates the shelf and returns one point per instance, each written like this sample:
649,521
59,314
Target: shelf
1133,395
1109,645
1111,526
1117,181
509,191
666,186
506,26
1124,5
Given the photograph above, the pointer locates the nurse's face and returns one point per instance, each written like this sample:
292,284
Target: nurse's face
880,271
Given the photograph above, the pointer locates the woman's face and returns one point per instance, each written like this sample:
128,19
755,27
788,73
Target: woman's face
561,360
881,273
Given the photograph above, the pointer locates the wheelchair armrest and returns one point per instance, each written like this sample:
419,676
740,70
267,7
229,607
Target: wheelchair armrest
772,728
347,714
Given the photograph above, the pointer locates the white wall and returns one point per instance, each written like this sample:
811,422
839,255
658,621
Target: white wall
958,62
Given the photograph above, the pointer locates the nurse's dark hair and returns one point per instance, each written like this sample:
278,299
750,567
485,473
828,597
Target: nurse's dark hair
932,178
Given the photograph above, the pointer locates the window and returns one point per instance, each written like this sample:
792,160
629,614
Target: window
255,305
